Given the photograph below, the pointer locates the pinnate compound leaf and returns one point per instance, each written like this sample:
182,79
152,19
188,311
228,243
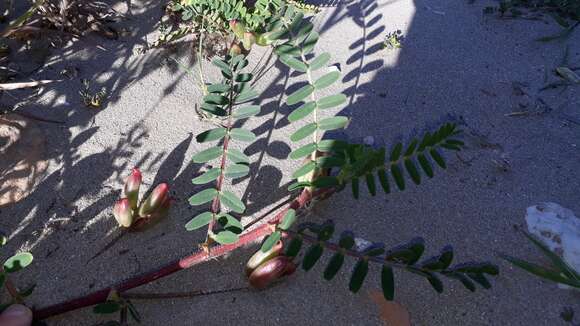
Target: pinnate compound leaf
199,221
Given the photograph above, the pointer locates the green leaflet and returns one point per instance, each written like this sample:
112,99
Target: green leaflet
305,169
332,123
300,94
216,99
211,135
311,256
207,177
438,158
246,112
331,101
242,135
207,155
17,262
412,170
388,283
319,62
107,307
371,185
294,247
236,156
271,241
203,197
218,88
303,151
293,63
303,111
358,276
244,77
327,80
398,176
214,109
231,201
225,237
199,221
425,165
230,223
237,171
333,266
288,220
303,132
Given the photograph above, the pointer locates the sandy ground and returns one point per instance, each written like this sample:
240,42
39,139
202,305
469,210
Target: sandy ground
455,65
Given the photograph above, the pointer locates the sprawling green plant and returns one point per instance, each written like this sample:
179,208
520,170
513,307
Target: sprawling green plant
329,165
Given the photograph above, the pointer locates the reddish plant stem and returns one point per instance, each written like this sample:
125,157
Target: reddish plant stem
215,205
197,257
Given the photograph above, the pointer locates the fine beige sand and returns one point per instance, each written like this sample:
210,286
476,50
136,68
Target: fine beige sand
455,65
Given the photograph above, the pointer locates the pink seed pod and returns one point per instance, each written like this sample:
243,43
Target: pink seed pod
270,271
154,201
143,223
132,185
260,257
123,213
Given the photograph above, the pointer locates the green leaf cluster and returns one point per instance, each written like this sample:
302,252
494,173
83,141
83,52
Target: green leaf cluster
407,257
228,101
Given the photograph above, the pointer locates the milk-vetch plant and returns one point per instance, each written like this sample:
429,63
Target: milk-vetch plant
329,165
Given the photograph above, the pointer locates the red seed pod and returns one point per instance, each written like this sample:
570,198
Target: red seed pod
123,213
143,223
154,201
270,271
132,186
